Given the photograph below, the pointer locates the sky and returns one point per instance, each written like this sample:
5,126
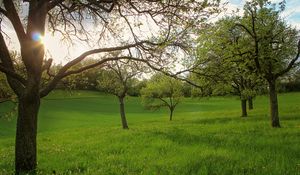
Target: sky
59,51
291,13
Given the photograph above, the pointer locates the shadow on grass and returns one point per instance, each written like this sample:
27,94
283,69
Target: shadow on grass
226,119
221,153
252,141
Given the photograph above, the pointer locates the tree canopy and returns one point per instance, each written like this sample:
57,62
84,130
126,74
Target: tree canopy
274,44
162,91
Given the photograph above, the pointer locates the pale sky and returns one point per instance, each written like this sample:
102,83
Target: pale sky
291,13
59,51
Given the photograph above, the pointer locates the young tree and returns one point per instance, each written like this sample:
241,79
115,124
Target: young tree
162,91
118,80
122,20
273,43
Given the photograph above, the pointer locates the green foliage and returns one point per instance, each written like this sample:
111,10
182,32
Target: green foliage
162,91
119,78
240,53
108,81
80,135
7,96
273,41
187,90
224,62
86,80
5,91
137,85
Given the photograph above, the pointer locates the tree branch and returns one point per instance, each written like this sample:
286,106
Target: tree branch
164,101
244,27
291,64
14,18
96,51
4,12
54,3
45,91
12,74
15,81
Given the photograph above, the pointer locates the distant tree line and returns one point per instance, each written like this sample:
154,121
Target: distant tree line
90,80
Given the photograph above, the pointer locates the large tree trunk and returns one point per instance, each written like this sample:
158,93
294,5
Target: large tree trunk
244,107
273,104
25,148
250,103
122,113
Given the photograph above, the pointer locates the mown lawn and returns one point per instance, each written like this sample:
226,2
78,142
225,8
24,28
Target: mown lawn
81,134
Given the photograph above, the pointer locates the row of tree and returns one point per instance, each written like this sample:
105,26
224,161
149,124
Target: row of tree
248,51
239,52
125,78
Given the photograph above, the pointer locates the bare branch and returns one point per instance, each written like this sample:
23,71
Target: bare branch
61,74
101,50
54,3
7,63
15,20
4,12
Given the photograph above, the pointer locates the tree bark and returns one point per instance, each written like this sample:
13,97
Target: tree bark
25,148
250,103
171,113
122,113
273,104
244,107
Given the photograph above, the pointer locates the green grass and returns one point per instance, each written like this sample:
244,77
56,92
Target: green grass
81,134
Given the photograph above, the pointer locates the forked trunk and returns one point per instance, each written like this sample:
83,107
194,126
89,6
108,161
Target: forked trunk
122,113
273,104
244,107
25,149
250,103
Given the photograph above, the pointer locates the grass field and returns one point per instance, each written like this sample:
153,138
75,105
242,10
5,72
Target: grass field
81,134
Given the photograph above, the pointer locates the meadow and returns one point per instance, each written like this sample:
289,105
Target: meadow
82,134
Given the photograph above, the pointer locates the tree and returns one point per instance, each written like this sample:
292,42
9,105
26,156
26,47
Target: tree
223,62
118,25
273,43
137,85
162,91
118,80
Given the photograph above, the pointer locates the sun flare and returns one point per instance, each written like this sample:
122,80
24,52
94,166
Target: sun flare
42,40
38,37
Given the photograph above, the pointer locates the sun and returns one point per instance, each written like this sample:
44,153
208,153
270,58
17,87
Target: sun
56,48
